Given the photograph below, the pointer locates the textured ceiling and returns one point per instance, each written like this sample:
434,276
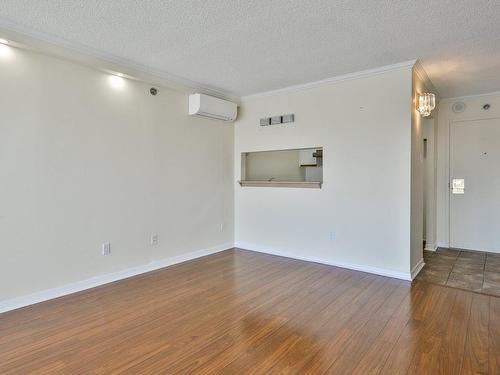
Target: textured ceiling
250,46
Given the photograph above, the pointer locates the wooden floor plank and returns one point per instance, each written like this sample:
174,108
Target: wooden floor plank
307,299
335,335
450,358
216,332
306,329
475,357
360,342
139,326
376,356
494,337
240,312
301,302
409,349
431,334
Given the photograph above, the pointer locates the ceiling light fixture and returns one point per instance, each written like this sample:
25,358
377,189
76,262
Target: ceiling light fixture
4,41
426,103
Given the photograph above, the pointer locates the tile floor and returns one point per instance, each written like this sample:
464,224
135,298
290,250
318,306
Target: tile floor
471,270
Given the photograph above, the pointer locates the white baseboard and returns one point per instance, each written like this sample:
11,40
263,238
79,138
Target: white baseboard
430,247
356,267
44,295
443,244
417,268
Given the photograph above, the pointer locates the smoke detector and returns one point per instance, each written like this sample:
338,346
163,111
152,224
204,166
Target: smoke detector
458,107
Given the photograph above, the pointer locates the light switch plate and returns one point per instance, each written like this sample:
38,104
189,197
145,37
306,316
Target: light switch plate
106,248
154,240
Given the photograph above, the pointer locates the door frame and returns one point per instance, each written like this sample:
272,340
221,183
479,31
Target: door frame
448,169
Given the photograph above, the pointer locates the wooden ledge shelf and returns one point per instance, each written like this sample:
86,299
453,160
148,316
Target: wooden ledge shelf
285,184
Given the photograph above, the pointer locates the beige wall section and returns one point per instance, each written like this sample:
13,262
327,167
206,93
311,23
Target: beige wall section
473,111
421,84
430,191
361,216
417,174
423,171
82,163
282,165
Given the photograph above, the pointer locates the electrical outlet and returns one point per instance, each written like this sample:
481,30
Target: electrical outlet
221,227
154,240
106,248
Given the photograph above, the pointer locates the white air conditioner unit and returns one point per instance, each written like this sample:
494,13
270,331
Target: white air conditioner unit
215,108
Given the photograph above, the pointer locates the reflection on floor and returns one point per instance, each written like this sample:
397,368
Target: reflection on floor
471,270
240,312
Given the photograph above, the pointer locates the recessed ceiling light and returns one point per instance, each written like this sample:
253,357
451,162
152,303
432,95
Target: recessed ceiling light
4,41
119,74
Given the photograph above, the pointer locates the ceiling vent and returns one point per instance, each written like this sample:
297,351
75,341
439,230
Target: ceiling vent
210,107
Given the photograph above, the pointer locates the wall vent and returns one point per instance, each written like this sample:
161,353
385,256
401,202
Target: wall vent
277,120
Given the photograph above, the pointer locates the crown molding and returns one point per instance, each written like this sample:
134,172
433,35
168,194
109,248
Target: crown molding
422,74
455,98
48,44
336,79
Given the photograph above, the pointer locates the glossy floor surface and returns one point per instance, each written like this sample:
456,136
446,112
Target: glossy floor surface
240,312
470,270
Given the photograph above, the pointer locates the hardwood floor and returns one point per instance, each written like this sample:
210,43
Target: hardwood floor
240,312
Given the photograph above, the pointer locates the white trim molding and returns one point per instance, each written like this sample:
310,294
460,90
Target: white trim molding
415,271
45,295
422,74
430,247
444,244
356,267
455,98
25,37
345,77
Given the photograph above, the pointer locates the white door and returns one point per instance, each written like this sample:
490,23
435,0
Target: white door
475,185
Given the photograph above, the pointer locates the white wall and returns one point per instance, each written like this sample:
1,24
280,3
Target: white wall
423,189
474,111
361,216
417,173
429,133
82,163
